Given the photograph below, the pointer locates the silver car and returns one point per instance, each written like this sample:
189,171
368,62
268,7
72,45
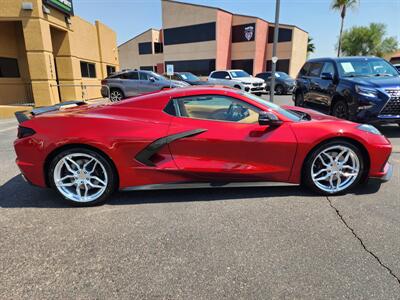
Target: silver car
131,83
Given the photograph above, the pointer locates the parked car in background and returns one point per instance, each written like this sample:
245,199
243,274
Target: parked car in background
238,79
362,89
131,83
284,84
189,78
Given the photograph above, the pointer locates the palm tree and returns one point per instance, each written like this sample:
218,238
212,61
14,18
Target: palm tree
310,46
342,6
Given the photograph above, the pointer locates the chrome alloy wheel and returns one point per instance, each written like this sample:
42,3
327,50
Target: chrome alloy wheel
80,177
115,96
335,169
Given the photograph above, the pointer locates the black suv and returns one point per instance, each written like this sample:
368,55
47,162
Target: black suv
363,89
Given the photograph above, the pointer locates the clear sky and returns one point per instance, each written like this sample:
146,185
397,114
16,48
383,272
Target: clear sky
131,17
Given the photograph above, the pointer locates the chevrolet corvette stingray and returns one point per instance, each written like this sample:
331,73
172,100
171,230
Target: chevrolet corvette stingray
193,137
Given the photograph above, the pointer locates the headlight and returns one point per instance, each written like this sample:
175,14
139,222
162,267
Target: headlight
367,92
369,128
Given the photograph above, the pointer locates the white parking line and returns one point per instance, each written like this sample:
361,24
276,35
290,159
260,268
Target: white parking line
7,129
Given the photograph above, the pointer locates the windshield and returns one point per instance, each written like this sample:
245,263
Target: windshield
283,75
365,68
157,76
288,114
189,76
238,74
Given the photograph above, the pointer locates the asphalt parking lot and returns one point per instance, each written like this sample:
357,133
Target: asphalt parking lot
247,243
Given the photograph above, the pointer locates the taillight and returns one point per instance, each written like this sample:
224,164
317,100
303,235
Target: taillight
25,132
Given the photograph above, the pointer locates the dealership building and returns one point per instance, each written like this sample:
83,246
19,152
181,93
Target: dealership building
48,55
201,39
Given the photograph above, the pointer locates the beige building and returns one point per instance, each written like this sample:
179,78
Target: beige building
48,55
200,39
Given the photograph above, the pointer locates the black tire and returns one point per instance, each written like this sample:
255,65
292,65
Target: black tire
237,87
340,110
111,176
308,164
299,99
116,95
279,90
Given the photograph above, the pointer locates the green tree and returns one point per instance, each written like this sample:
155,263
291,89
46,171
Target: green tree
368,40
310,46
342,6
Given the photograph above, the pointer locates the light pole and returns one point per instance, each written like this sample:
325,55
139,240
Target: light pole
274,57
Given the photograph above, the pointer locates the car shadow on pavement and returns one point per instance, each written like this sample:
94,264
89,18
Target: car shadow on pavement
16,193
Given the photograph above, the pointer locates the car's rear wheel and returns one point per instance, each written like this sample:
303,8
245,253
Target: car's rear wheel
340,110
116,95
279,90
333,168
81,176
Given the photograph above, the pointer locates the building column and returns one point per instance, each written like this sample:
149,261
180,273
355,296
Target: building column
40,60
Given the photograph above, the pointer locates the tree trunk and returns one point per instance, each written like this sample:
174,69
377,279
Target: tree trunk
340,38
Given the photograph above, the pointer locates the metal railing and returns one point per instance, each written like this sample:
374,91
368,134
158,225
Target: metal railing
23,96
85,95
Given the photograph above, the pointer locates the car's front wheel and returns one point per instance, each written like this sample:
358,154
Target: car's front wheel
334,167
81,176
116,95
340,110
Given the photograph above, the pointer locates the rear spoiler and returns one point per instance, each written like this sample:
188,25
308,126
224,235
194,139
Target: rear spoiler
23,116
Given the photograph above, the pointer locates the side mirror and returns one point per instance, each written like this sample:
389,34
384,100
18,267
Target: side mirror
268,118
227,77
152,79
327,76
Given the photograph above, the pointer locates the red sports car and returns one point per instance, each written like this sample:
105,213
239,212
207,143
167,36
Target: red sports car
193,137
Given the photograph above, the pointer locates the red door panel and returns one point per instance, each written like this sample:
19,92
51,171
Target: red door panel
233,151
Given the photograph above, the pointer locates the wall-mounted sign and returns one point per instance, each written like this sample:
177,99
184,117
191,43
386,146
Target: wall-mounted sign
65,6
243,33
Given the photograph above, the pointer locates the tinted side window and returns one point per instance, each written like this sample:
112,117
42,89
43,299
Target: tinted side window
315,69
130,75
143,76
304,70
217,107
328,68
219,75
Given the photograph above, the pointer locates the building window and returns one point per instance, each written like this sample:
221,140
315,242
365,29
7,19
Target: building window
243,33
190,34
145,48
285,34
158,48
201,67
110,70
9,67
88,70
281,66
147,68
243,64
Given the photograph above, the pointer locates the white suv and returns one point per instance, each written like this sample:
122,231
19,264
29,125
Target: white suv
238,79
